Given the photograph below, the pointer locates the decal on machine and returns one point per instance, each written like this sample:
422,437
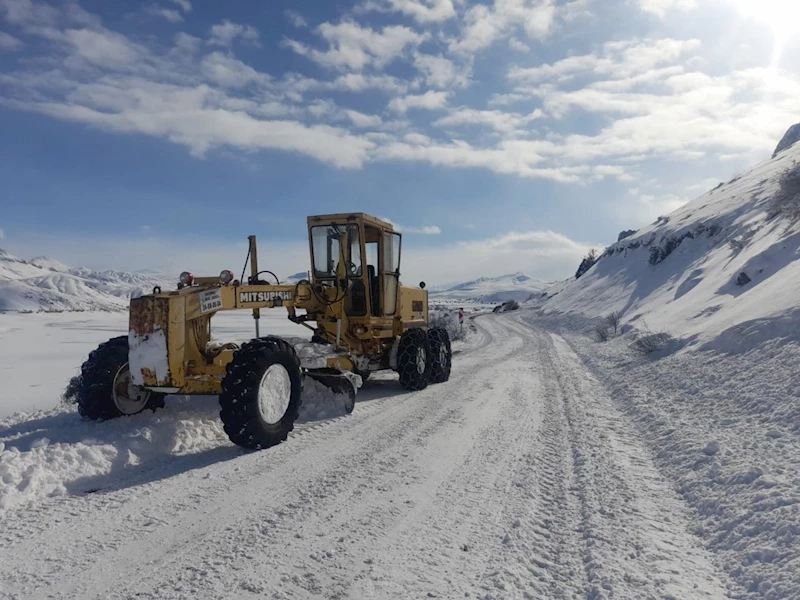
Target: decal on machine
210,300
250,297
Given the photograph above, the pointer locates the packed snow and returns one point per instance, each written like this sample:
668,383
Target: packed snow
517,478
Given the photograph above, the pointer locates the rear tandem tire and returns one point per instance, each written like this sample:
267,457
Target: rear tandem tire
93,389
413,359
261,393
441,355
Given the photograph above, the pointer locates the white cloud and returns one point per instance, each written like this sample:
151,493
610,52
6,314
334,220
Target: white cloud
485,24
422,11
295,86
661,7
185,5
353,47
507,99
361,120
9,42
499,121
424,229
173,16
441,72
618,60
517,45
429,101
575,9
104,48
230,72
197,119
43,19
225,33
295,18
649,98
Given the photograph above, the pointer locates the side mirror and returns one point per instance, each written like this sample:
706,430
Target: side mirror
422,285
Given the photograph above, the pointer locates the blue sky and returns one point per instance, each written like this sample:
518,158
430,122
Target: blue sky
500,135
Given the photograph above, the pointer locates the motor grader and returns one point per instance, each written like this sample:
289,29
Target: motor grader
362,318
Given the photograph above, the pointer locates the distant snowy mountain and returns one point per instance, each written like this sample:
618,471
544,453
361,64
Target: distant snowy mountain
720,271
45,284
296,277
490,290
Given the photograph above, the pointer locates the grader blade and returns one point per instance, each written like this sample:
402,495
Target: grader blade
339,384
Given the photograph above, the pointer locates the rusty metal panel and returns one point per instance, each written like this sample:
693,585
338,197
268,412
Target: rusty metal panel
176,340
148,314
148,332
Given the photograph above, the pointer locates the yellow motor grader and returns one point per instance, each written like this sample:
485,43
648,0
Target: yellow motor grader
362,318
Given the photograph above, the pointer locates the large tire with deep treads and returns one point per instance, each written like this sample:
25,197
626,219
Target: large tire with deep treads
441,355
261,393
413,359
93,389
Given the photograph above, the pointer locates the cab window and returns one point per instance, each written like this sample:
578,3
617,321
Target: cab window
328,253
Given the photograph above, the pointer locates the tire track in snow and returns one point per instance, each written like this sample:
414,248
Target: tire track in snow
347,497
124,534
633,529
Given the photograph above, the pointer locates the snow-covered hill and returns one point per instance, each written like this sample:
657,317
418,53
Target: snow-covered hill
491,290
45,284
722,267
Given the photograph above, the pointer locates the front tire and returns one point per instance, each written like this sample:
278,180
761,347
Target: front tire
441,355
261,393
413,356
104,389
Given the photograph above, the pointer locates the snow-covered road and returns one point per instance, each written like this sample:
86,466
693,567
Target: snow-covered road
518,478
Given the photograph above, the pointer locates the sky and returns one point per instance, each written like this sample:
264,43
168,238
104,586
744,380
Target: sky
498,136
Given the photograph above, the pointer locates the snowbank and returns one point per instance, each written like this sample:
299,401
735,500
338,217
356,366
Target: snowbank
52,453
725,429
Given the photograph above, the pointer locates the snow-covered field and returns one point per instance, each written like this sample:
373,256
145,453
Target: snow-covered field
518,478
39,352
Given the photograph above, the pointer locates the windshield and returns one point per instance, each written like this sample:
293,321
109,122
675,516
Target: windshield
326,246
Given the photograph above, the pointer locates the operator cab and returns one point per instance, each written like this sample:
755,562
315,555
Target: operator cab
363,249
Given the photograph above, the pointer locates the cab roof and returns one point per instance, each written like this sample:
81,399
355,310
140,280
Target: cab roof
350,217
